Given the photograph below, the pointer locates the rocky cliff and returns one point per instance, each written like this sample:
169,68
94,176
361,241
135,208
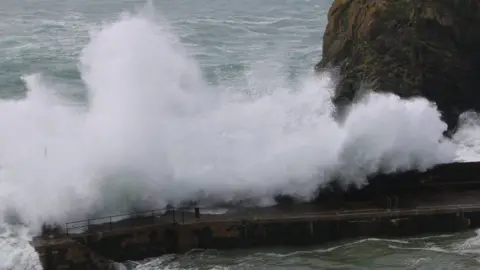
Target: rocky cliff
427,48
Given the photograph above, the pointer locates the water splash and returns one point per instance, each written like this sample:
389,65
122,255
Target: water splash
15,250
153,132
467,137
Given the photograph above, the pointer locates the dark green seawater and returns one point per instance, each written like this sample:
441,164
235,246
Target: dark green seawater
228,38
429,252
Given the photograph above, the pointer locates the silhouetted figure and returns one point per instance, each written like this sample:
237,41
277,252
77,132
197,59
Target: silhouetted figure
50,231
197,212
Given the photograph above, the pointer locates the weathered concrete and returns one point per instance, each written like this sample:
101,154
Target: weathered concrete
252,228
63,252
445,199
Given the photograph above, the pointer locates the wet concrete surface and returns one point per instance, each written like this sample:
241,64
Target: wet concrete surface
435,200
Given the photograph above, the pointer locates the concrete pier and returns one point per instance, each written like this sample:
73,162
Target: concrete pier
95,243
96,247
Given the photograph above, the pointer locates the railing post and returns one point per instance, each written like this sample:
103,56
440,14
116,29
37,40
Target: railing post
395,202
88,224
173,215
183,216
153,216
111,225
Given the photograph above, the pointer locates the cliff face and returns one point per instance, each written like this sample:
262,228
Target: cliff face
428,48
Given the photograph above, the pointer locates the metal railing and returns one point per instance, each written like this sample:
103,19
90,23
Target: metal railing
122,221
187,215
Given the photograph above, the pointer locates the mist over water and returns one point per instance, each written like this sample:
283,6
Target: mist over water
154,132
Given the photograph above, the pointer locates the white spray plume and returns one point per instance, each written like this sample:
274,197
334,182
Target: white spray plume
153,132
467,137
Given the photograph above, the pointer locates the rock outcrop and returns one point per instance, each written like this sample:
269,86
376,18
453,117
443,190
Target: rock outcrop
428,48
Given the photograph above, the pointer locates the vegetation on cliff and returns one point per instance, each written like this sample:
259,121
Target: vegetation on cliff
428,48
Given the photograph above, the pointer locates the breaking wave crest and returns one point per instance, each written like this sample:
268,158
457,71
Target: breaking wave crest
153,132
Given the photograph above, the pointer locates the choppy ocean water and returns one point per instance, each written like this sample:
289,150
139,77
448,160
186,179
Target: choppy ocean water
221,94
